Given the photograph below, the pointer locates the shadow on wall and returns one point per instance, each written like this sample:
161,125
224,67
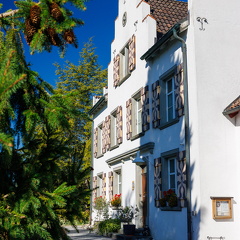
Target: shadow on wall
168,221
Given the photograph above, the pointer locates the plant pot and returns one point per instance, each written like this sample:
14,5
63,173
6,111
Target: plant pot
129,229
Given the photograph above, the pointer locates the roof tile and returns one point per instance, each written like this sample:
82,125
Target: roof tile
167,13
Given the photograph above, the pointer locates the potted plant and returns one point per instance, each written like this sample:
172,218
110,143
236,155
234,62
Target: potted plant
169,198
126,215
116,201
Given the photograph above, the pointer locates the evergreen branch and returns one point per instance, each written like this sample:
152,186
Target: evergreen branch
6,14
13,84
9,62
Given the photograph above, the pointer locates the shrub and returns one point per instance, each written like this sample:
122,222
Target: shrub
108,226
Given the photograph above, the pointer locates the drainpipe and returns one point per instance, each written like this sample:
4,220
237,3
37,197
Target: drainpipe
187,132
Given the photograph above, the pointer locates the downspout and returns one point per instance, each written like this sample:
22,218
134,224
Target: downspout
187,132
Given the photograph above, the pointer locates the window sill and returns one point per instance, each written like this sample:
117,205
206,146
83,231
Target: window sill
124,79
171,209
113,147
168,124
99,156
137,136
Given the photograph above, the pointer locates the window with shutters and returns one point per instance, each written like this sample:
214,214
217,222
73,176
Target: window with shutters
168,110
169,170
124,62
117,181
137,114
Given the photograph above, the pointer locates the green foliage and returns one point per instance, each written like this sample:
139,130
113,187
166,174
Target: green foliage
100,204
109,226
51,23
35,192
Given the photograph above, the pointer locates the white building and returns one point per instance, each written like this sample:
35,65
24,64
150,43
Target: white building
151,136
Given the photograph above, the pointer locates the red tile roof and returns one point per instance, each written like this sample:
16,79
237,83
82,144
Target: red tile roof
167,13
233,107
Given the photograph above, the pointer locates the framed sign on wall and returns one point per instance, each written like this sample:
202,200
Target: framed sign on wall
221,207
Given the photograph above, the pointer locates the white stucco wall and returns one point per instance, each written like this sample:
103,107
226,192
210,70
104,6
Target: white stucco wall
213,76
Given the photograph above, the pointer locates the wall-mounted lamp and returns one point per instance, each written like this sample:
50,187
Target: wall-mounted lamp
139,160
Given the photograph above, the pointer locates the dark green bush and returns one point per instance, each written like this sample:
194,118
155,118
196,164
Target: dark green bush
109,226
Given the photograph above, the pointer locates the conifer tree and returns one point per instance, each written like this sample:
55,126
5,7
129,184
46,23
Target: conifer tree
79,83
36,134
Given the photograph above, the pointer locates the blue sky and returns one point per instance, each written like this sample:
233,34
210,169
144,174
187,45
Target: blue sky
99,23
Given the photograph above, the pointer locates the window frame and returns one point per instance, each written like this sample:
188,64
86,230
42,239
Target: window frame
100,140
124,64
113,130
117,188
164,79
166,157
136,116
99,184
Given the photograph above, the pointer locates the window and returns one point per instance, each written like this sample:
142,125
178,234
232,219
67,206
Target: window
124,62
99,140
137,114
113,128
169,170
168,98
117,181
99,184
172,175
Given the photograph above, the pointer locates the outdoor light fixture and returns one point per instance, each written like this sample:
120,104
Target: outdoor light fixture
139,160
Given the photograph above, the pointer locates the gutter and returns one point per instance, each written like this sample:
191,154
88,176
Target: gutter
187,132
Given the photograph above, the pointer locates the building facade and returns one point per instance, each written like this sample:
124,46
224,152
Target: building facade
168,118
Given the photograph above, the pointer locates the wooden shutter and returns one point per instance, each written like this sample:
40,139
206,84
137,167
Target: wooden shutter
108,132
104,137
119,125
157,181
129,118
179,92
94,192
132,53
181,178
104,185
95,143
110,185
156,104
116,70
145,108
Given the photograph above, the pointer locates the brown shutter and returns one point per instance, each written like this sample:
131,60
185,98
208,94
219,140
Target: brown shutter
108,132
179,92
156,104
157,181
145,108
116,70
181,178
104,138
119,125
132,53
95,142
129,118
104,185
94,192
110,185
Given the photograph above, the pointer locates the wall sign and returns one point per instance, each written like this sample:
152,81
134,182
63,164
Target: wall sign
221,207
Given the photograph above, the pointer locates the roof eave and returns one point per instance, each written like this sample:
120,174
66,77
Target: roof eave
179,27
100,103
